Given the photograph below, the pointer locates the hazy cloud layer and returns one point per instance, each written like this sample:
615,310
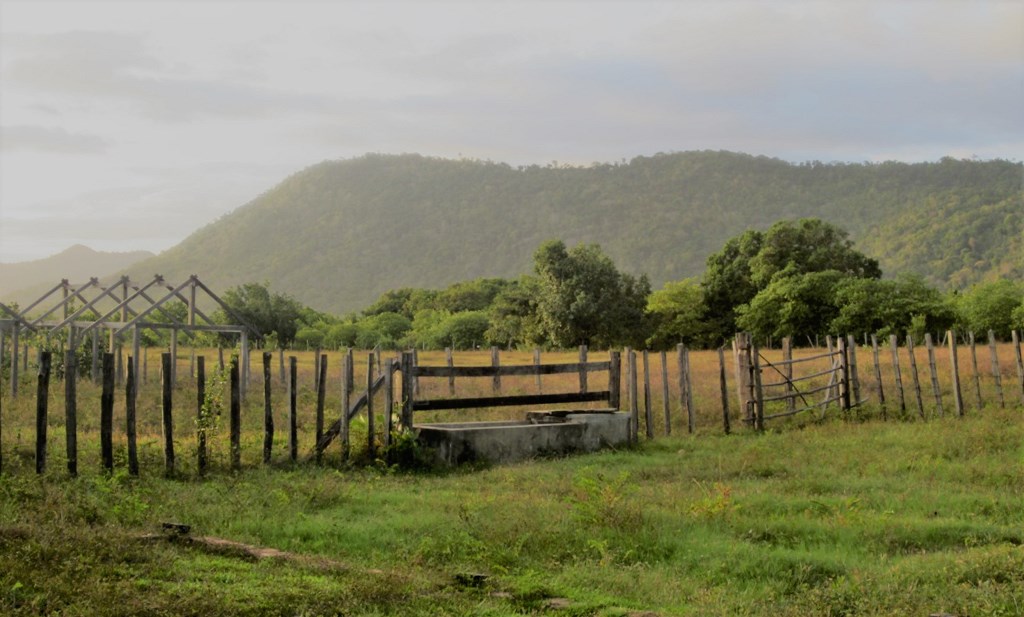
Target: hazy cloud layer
128,125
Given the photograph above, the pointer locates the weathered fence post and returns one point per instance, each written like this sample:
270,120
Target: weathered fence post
280,361
14,362
724,389
666,403
634,403
844,374
495,362
168,422
994,363
851,352
316,369
954,363
107,413
536,362
878,375
744,386
71,409
755,370
974,368
293,420
583,369
416,379
202,415
648,413
268,411
407,391
236,413
389,402
42,402
787,373
131,397
370,428
1020,363
916,378
320,381
614,379
935,376
451,368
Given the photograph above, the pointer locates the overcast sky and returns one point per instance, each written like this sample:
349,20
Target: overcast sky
128,125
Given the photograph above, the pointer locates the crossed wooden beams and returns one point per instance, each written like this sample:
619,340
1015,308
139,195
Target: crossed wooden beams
133,303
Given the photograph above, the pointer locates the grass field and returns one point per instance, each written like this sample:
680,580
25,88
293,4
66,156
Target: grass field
846,516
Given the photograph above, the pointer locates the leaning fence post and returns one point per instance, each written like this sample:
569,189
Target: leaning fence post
955,368
42,401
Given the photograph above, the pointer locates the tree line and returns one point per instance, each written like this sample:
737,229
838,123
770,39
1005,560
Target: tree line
798,278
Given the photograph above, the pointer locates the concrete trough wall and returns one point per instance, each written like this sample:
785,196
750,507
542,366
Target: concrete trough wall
541,434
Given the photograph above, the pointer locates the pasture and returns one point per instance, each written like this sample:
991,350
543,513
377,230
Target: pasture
842,515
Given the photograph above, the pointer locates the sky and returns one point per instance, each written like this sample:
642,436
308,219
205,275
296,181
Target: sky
128,125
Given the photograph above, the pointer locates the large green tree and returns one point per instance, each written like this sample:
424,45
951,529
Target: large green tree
270,313
584,300
751,262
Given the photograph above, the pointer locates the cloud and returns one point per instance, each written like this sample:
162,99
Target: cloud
53,140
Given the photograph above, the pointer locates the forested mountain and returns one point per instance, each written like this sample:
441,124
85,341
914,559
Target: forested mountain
338,234
76,264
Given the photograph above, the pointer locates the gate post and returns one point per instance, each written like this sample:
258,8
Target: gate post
407,390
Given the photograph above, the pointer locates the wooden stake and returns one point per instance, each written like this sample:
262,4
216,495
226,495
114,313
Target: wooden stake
202,414
370,428
916,378
42,402
878,375
1020,363
724,389
168,423
293,411
648,413
107,413
994,363
666,403
268,411
975,373
954,363
934,374
71,410
236,414
320,380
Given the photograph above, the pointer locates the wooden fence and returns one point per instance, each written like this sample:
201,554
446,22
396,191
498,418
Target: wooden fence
768,388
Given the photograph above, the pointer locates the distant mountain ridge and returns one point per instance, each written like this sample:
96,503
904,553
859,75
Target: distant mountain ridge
77,264
338,234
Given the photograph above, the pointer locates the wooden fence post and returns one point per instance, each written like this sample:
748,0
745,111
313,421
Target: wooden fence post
666,403
1020,363
202,415
71,409
755,370
787,373
974,368
416,380
916,377
724,389
389,402
268,411
878,375
994,362
236,413
844,374
536,362
370,428
347,388
407,391
744,386
293,409
935,376
495,362
450,361
954,363
42,402
614,379
583,369
280,361
107,412
634,403
167,408
14,363
131,397
851,353
648,413
320,381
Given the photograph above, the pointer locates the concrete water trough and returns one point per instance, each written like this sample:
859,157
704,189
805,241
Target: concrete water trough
542,433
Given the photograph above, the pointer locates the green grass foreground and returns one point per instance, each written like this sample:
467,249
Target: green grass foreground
897,518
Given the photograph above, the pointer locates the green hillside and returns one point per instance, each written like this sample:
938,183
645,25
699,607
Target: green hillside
338,234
